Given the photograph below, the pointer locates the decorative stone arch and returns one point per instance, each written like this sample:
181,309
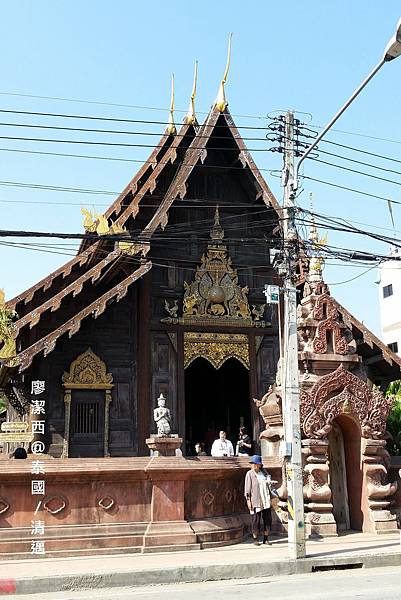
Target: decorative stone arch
88,372
342,392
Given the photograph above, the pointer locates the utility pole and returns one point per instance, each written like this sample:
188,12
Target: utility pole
290,384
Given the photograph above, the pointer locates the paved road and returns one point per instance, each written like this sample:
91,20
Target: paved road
368,584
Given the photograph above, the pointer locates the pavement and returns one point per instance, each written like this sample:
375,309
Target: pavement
241,561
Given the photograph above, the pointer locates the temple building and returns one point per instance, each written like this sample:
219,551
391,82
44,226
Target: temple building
166,297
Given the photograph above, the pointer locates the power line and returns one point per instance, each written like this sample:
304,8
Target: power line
95,118
364,135
117,144
360,162
125,132
336,226
324,162
362,151
349,221
349,189
128,160
353,278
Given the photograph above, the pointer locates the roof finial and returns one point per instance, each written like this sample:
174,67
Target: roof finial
313,229
316,260
221,101
190,117
171,129
217,232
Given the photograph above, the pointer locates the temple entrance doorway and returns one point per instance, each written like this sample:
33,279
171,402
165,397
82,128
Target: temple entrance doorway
215,399
345,475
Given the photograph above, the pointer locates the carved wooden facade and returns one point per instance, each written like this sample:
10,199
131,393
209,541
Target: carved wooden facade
134,312
184,286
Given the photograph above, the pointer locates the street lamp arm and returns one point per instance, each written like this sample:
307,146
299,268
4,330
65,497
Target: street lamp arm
334,119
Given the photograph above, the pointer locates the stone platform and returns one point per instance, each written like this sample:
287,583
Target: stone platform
130,505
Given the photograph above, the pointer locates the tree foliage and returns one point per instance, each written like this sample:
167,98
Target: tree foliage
394,418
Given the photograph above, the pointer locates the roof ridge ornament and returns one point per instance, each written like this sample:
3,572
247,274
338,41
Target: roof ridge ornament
190,117
217,232
316,260
221,102
171,128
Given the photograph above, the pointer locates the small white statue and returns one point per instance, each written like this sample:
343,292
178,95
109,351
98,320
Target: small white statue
162,417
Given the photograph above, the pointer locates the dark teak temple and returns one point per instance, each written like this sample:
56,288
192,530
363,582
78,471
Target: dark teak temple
168,299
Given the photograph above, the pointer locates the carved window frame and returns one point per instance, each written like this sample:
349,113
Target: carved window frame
87,372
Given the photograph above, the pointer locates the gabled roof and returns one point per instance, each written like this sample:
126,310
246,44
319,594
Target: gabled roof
185,150
197,153
93,260
178,155
71,326
143,182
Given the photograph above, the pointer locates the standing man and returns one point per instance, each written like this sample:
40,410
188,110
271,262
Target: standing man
222,446
244,444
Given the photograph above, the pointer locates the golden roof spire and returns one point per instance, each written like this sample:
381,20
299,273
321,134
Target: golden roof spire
190,117
316,261
221,101
171,129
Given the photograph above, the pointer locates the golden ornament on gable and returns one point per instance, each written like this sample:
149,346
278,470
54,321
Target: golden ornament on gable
214,296
96,223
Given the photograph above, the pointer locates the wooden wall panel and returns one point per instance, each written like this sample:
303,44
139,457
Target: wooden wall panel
112,337
267,359
164,374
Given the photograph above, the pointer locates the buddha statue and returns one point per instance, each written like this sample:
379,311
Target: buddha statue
162,417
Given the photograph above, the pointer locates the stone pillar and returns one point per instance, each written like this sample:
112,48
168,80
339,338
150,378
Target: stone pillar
108,399
376,489
164,445
67,417
319,518
168,525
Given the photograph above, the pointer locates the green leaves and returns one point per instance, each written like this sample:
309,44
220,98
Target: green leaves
3,405
394,418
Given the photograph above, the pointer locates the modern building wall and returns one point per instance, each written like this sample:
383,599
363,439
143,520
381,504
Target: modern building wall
390,300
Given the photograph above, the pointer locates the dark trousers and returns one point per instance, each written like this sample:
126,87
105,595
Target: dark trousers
264,516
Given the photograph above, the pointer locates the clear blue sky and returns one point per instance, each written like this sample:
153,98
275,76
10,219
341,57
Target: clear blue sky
308,56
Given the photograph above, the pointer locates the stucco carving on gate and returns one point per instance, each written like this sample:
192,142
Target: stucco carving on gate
342,392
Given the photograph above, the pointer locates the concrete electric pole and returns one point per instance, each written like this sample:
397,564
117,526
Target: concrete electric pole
290,385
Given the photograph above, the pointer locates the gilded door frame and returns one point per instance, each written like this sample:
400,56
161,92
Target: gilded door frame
87,372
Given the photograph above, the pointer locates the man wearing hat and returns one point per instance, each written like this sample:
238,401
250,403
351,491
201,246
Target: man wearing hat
258,494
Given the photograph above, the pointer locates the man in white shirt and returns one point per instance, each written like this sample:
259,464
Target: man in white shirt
222,446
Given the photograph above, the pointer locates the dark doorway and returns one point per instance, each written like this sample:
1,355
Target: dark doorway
87,424
346,473
338,478
215,399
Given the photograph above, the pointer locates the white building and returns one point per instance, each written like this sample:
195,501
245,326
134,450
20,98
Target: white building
390,301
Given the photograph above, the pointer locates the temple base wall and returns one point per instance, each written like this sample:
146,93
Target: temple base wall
114,505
